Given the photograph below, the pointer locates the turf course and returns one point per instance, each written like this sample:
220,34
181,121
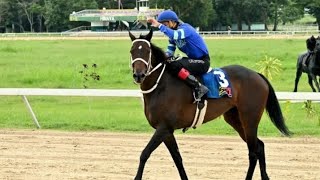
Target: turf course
59,63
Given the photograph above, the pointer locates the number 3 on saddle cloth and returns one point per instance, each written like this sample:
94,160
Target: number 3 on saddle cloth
217,81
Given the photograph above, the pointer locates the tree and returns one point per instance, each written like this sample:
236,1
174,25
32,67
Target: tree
40,17
3,9
109,4
79,5
291,12
285,11
57,13
12,16
29,7
241,11
277,9
254,11
213,17
53,15
197,12
313,7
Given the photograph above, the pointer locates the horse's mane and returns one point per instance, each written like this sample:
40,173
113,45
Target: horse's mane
158,53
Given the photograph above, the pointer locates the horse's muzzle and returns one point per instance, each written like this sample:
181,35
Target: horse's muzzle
138,77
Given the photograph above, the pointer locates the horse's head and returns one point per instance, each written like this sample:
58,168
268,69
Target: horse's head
141,56
311,43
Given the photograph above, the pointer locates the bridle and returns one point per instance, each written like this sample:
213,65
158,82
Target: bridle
148,63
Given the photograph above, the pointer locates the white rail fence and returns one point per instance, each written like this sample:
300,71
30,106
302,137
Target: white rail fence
159,34
24,92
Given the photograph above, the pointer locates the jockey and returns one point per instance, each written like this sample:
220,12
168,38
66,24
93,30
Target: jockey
311,44
186,38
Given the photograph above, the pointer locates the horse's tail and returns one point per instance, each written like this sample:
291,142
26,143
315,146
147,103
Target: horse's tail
274,110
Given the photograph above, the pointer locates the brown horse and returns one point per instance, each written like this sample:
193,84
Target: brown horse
168,105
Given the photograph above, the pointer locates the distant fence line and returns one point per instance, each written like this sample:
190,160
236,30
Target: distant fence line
159,34
24,92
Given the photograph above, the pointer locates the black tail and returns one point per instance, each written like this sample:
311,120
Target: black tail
274,110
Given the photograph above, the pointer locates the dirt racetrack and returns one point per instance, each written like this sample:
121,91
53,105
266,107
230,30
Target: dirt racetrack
35,155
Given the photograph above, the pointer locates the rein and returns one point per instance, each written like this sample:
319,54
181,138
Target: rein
157,82
149,66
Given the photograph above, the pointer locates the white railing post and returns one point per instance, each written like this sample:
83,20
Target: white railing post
34,118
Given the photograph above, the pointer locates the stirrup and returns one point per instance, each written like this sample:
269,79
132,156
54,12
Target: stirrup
197,97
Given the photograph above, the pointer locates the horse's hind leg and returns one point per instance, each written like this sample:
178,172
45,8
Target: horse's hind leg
255,146
262,160
298,75
158,137
232,118
250,118
172,146
314,78
251,139
310,81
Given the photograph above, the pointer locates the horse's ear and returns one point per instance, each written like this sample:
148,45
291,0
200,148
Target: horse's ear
312,37
131,36
149,35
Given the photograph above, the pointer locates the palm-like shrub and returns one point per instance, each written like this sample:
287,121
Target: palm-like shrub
269,67
309,108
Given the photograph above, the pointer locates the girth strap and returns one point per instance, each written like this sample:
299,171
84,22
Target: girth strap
199,116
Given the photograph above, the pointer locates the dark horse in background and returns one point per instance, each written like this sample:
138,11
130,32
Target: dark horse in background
312,68
168,105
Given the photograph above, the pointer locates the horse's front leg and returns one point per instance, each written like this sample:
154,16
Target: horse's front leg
158,137
310,79
298,75
172,146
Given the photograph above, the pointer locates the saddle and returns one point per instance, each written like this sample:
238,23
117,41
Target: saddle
217,81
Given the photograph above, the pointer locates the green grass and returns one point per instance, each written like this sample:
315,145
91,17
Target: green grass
57,63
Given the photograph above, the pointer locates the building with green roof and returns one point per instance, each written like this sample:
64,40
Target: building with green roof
109,19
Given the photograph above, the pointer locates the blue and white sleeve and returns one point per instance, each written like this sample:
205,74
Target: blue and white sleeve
171,48
173,34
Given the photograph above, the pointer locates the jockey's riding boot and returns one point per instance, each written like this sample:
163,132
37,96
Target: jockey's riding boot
199,89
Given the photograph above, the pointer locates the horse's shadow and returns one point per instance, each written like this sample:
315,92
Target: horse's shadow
309,63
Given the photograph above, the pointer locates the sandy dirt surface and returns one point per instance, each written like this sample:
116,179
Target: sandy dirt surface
39,154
